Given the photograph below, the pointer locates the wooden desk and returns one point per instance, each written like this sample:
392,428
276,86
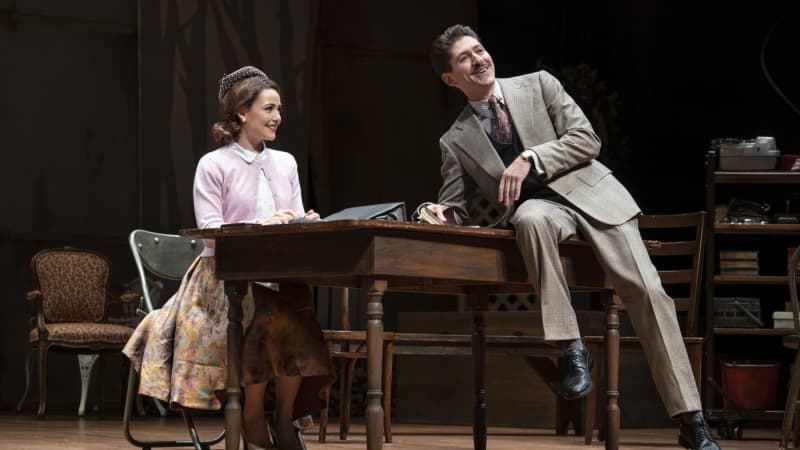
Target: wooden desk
378,256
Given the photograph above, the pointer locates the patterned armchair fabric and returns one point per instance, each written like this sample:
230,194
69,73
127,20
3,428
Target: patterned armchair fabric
71,293
91,335
73,285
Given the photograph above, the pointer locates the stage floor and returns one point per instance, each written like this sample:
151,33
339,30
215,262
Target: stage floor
26,432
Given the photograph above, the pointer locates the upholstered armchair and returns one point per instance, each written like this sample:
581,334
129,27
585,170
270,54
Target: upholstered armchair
71,295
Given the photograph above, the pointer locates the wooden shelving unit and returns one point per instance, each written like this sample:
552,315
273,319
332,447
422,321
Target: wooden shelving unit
768,285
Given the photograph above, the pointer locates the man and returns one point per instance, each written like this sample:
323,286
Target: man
525,143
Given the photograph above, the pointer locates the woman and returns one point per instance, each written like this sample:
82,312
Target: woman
181,348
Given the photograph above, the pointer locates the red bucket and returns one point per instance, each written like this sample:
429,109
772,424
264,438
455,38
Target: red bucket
753,386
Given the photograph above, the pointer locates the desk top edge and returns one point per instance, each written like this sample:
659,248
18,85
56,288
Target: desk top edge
378,226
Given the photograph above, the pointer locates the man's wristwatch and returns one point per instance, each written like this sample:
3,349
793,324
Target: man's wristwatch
528,156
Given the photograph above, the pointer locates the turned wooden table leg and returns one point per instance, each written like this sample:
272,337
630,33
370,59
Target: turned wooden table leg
235,290
478,298
612,375
374,290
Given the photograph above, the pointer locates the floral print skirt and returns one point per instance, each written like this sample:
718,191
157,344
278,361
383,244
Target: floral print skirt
180,350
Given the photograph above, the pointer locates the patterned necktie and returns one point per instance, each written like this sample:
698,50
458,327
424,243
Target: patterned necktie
500,122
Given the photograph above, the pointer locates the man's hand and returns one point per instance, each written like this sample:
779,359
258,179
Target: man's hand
511,181
438,210
312,215
281,216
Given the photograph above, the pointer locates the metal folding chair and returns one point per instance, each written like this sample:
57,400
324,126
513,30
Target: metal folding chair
161,258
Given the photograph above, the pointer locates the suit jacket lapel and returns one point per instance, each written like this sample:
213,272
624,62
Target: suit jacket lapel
519,101
473,140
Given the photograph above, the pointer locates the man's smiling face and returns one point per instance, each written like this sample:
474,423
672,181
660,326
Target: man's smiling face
471,69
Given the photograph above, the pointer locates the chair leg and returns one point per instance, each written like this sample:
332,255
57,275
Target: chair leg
695,353
591,399
42,362
342,391
388,363
347,390
791,405
130,398
85,364
31,352
187,418
323,416
300,440
160,407
562,416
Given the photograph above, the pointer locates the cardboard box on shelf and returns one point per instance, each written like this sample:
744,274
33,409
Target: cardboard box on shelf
782,319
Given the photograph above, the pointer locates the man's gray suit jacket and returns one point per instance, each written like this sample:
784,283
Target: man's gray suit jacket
549,122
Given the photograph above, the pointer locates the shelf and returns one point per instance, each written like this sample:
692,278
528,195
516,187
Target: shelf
770,238
765,177
753,331
750,279
723,228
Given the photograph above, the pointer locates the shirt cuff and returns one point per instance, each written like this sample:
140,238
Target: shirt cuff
537,165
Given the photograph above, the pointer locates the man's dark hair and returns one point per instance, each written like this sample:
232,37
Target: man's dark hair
440,49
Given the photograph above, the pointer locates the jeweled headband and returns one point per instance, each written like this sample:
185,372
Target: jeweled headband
227,81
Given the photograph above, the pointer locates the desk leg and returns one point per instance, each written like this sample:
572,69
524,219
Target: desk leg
478,298
233,406
374,290
612,375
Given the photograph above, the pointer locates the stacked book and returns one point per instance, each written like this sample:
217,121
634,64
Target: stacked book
738,262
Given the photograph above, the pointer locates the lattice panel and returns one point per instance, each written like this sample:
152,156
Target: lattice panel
512,302
482,212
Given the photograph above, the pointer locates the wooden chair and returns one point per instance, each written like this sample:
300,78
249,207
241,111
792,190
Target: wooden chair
71,297
684,257
790,431
349,346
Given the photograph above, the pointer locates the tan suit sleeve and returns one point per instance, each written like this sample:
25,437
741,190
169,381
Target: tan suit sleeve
577,142
455,185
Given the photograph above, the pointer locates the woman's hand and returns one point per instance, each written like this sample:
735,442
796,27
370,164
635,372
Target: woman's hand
281,216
